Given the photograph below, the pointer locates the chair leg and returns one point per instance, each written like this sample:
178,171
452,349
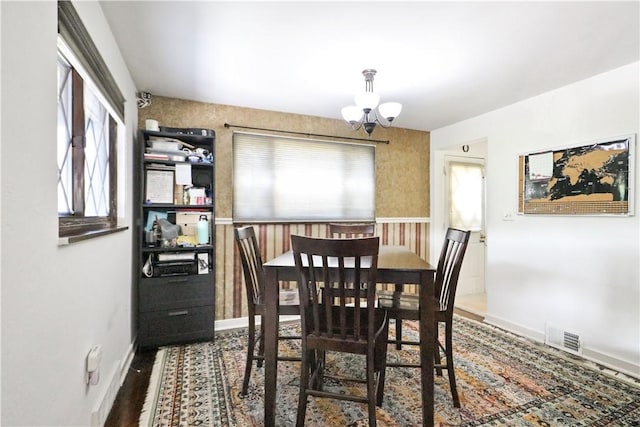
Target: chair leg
398,288
372,395
450,369
250,349
436,350
318,367
261,343
304,384
398,334
381,365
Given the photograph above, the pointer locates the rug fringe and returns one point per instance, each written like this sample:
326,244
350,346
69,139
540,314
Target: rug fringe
153,391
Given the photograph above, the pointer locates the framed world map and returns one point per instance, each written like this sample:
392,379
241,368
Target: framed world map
590,179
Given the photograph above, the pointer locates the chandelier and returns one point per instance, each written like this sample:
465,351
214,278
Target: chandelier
365,114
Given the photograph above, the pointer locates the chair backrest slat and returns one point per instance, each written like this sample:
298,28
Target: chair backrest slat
449,265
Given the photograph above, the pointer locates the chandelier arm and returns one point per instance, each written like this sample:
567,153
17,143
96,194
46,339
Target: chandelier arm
381,120
356,125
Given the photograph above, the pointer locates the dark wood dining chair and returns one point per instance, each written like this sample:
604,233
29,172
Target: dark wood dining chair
405,306
330,323
254,280
351,231
348,230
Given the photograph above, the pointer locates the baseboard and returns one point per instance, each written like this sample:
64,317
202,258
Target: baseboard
599,359
604,360
103,407
238,322
243,322
128,360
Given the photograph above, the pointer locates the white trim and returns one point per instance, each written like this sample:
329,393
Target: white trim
243,322
124,368
392,220
379,220
622,366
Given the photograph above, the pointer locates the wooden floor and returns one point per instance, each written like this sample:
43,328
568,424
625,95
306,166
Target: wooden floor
130,399
128,404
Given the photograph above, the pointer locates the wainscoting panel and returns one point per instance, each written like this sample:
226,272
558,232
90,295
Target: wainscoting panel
274,239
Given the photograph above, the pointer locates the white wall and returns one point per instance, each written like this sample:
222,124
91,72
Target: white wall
57,301
578,273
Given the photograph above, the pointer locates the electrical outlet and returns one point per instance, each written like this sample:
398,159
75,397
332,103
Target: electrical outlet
93,365
508,216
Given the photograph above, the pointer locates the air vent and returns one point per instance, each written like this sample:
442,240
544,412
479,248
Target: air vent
563,340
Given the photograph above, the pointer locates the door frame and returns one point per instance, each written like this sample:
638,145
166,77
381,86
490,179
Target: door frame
439,218
477,238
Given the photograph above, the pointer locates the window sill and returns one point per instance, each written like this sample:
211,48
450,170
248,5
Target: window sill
64,241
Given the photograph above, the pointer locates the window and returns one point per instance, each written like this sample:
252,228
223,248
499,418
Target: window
90,109
301,180
466,195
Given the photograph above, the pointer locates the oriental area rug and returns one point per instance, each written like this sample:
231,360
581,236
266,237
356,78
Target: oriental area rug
502,379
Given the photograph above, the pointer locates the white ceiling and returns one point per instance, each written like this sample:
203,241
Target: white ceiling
444,61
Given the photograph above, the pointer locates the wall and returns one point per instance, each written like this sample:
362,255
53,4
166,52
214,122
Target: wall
274,239
402,182
57,301
577,273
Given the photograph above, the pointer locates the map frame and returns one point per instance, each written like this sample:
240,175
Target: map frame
592,178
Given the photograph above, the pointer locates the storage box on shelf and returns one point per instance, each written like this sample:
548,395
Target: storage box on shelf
175,236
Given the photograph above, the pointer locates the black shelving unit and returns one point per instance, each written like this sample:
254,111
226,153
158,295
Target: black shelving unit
175,277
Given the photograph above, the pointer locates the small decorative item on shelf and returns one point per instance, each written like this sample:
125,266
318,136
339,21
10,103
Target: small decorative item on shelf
151,238
203,230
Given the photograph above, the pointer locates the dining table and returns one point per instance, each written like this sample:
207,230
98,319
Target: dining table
396,265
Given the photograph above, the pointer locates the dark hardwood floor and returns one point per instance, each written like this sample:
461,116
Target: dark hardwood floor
128,404
130,399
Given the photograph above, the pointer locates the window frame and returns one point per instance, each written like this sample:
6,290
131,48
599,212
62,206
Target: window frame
81,52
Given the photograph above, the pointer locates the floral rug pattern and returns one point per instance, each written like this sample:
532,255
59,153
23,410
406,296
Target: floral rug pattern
502,379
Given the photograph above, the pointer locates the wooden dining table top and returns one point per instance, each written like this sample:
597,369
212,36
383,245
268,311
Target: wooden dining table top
390,257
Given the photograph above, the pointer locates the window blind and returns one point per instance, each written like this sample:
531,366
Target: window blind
287,179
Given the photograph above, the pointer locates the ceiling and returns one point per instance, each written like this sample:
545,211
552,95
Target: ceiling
444,61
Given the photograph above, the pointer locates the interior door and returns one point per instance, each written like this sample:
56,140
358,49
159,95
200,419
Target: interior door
465,195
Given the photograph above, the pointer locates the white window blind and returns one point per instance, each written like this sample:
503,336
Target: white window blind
279,178
466,196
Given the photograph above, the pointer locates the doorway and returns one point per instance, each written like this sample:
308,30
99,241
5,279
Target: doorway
464,195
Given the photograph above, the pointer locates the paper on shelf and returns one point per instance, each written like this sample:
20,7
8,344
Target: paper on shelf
159,185
183,174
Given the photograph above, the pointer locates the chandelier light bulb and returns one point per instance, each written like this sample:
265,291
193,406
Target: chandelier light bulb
390,110
352,114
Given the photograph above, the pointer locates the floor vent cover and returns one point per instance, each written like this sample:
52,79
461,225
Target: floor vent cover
564,340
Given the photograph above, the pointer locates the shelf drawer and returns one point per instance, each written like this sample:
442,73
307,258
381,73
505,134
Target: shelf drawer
166,293
175,326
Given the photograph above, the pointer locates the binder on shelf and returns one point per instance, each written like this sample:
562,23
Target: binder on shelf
176,256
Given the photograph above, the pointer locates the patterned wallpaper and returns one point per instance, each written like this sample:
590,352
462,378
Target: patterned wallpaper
273,240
